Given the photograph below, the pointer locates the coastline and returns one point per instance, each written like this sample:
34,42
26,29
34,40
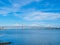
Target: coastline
26,27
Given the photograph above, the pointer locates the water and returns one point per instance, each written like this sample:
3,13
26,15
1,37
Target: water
30,37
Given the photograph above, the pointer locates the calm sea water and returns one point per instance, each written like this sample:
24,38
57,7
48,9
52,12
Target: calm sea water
30,37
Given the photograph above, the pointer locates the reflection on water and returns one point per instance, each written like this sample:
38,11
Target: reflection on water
30,37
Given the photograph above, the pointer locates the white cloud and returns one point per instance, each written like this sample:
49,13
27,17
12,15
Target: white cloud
16,24
40,24
14,7
41,16
3,12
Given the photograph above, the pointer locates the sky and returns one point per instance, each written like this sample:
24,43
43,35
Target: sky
30,13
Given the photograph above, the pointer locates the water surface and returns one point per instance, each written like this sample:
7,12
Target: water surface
30,37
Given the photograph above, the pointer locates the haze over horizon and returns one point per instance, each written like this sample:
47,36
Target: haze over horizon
30,13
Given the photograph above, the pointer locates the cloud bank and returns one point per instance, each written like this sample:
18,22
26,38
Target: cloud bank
41,16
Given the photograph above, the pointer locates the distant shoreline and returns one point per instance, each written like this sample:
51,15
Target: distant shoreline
26,27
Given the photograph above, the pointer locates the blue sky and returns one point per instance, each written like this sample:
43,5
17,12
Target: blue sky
30,12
